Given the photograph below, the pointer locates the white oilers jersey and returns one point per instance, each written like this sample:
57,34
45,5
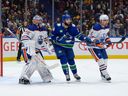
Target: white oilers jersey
40,38
99,32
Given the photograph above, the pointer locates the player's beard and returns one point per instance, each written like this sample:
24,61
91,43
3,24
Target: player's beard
67,24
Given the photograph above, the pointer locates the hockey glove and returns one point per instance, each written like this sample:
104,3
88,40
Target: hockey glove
108,42
61,40
87,40
64,40
99,44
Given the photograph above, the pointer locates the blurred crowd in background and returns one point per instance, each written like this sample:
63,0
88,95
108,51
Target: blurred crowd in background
14,13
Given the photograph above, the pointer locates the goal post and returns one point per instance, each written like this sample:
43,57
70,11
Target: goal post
1,54
1,42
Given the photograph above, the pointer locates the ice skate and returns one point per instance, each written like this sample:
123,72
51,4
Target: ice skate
67,78
24,80
105,76
77,77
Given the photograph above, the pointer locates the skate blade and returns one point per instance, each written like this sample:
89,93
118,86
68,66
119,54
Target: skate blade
106,81
78,80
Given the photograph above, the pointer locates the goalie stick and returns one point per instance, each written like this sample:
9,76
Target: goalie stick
12,34
42,61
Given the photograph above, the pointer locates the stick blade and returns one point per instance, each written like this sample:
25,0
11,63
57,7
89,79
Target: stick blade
123,38
53,66
120,41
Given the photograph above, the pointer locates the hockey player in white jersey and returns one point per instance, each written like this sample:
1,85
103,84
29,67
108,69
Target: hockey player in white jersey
34,39
99,35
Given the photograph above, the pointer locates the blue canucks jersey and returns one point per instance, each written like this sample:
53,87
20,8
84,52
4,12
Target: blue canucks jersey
65,37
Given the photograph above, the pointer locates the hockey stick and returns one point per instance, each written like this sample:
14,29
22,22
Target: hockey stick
13,34
42,61
92,45
121,40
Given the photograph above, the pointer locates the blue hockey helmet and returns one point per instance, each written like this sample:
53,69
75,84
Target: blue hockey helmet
65,16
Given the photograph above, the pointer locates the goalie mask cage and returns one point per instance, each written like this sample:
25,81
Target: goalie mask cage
1,54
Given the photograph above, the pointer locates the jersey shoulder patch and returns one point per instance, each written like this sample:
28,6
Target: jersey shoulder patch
32,27
73,25
58,24
97,27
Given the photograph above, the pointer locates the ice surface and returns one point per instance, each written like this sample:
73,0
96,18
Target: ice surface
90,85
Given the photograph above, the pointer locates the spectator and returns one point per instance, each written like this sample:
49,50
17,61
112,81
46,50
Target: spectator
118,27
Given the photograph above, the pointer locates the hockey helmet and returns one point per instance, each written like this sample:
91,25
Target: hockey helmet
37,17
65,17
104,17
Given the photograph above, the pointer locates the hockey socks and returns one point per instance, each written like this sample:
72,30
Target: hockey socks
104,73
73,69
103,70
65,69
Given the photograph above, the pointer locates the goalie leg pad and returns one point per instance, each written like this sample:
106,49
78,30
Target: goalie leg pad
28,69
42,69
44,73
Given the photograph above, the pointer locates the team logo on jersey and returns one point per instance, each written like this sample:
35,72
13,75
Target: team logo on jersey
40,39
61,31
59,51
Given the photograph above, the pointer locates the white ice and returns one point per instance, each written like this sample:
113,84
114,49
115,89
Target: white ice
90,85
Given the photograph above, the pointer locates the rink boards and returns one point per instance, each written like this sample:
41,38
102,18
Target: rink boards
10,48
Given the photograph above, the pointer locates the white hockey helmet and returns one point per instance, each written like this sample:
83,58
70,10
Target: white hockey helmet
104,17
37,17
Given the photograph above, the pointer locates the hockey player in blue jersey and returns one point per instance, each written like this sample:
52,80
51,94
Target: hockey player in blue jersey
99,35
63,38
